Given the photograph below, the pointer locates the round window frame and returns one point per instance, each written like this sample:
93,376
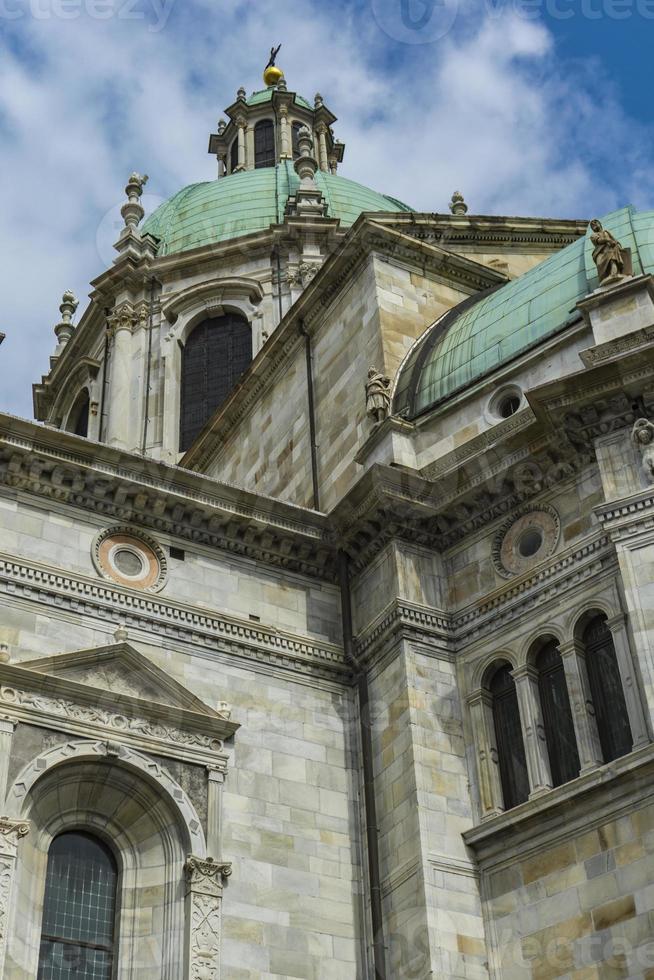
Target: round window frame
507,391
108,542
506,555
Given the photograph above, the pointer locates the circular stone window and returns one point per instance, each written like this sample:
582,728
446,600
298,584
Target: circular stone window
525,540
506,402
131,558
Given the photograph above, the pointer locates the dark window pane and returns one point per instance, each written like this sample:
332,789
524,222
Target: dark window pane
78,420
557,716
508,735
233,164
606,691
264,144
214,358
79,913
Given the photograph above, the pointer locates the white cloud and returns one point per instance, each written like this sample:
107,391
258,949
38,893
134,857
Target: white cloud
489,109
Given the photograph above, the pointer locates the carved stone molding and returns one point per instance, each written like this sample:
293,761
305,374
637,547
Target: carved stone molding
204,887
169,619
150,494
11,832
99,750
119,724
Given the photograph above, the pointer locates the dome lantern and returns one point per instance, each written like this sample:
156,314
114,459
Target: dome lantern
262,128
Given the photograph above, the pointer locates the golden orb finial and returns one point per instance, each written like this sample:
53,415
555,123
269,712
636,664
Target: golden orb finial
272,74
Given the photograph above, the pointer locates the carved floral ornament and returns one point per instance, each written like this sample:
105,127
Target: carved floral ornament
139,727
131,558
526,539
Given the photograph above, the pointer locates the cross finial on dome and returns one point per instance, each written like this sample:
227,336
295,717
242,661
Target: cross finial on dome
272,75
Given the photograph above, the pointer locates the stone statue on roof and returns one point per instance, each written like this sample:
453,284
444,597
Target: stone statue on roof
378,395
612,260
642,436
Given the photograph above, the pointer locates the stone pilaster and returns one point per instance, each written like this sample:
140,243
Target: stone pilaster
581,703
637,721
204,891
11,832
216,779
7,727
491,801
283,127
241,126
533,730
121,325
321,130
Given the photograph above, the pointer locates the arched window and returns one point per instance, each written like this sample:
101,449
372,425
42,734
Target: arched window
78,417
264,144
214,358
508,736
557,716
295,135
233,156
606,690
79,913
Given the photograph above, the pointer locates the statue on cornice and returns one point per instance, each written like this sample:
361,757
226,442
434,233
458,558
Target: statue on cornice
378,395
609,256
642,436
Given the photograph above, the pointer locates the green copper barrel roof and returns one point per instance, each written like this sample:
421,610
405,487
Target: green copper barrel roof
218,210
492,328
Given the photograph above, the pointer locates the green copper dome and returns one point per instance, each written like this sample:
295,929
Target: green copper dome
490,329
243,203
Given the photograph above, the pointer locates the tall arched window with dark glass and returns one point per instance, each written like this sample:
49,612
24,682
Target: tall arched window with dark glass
557,715
606,690
295,136
264,144
78,936
78,419
233,156
216,354
508,736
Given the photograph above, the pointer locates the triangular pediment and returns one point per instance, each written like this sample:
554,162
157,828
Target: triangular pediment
120,670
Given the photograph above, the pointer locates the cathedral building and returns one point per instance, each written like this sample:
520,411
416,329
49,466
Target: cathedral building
327,572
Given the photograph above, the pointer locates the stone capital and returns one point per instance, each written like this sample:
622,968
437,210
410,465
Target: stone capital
11,833
206,876
216,774
123,317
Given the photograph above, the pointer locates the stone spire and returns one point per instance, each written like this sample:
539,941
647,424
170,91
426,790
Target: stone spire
457,205
132,211
308,201
65,329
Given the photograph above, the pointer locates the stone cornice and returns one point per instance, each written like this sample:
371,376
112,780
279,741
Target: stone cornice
629,516
562,813
44,699
126,487
488,230
450,633
402,619
168,619
548,582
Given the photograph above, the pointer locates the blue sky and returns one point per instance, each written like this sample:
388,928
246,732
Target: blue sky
535,107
